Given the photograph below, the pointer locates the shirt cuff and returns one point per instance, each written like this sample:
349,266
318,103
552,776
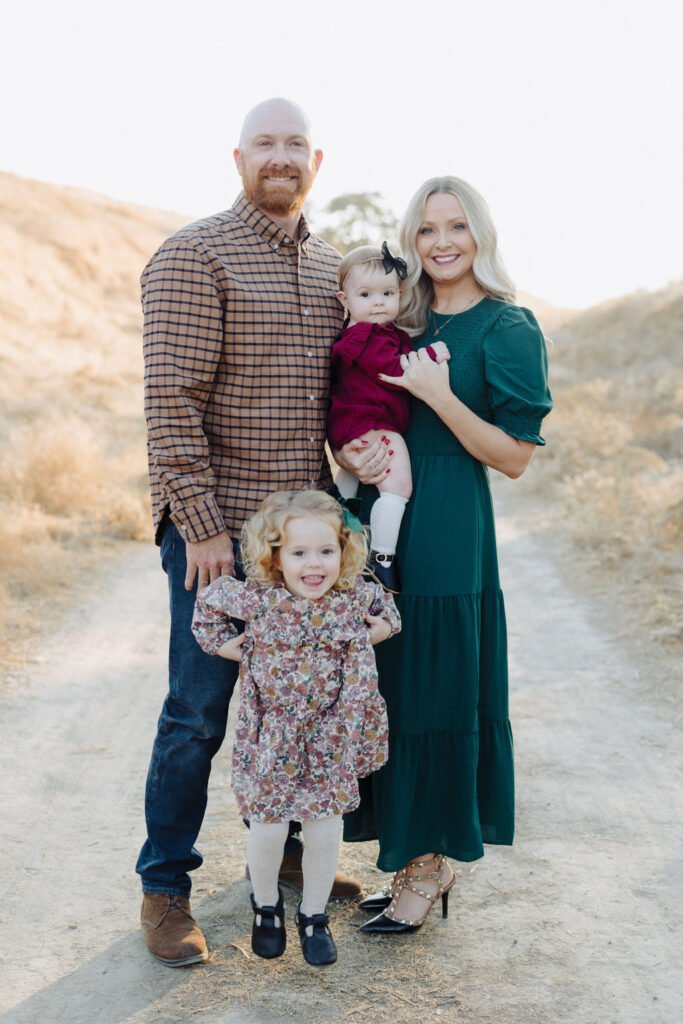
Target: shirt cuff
199,521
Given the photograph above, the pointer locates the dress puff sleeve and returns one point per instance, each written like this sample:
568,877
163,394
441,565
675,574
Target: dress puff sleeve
516,372
216,604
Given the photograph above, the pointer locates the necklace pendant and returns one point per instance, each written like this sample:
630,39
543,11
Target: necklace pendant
436,332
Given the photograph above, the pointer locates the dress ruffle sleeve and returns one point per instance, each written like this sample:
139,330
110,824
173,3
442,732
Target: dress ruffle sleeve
361,704
224,599
375,348
516,372
383,604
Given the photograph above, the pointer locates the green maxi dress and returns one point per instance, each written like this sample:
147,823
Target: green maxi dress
448,785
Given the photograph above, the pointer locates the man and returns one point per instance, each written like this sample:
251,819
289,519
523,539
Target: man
240,314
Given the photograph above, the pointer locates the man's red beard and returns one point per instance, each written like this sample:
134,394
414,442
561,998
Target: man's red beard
267,196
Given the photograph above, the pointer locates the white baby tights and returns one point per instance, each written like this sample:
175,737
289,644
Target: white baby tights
385,522
385,516
321,850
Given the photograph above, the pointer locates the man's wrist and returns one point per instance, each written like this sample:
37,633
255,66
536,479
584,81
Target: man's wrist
198,521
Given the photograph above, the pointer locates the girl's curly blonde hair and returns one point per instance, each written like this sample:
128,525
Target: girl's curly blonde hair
264,534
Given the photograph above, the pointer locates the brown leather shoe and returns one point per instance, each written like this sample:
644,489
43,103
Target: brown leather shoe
171,933
344,888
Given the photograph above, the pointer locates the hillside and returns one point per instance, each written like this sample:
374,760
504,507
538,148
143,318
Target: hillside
72,463
612,474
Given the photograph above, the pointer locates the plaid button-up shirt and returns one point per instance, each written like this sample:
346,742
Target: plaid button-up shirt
239,320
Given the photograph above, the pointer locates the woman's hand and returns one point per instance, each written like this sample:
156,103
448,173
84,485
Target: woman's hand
368,457
422,377
232,649
380,629
489,444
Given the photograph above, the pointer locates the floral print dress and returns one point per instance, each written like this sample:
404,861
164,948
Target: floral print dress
311,719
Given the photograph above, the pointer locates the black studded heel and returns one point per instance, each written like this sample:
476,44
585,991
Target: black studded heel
387,922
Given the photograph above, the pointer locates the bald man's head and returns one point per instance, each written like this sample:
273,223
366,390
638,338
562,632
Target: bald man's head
277,109
275,156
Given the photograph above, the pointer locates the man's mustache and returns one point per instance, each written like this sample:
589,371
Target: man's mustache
293,172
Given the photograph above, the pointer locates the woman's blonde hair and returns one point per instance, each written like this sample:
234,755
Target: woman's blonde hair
369,254
264,534
489,269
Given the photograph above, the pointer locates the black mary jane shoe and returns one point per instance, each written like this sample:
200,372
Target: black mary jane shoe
319,948
268,940
378,901
383,569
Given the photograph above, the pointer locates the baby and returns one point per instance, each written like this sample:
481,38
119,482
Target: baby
370,343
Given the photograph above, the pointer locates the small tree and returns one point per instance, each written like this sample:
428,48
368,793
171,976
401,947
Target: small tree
358,218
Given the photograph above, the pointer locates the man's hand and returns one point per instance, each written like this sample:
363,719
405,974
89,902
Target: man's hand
232,649
368,457
209,559
380,629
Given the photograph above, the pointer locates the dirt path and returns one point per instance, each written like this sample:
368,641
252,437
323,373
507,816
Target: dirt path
579,922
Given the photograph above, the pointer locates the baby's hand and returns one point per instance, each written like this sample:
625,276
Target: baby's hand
231,649
379,628
441,352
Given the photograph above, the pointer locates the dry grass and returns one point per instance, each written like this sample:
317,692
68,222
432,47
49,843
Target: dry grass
612,474
72,461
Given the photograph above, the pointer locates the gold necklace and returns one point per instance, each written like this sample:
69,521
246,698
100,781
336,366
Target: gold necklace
437,329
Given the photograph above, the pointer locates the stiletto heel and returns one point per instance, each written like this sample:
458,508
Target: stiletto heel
388,922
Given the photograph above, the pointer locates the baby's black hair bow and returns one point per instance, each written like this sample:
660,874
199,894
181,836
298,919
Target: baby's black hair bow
396,263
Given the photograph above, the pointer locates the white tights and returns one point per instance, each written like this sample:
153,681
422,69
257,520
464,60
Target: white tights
321,850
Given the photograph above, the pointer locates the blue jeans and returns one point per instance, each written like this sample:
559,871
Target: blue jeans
190,731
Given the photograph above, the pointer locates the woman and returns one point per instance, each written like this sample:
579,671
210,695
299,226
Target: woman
448,785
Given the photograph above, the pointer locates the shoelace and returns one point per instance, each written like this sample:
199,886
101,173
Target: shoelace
173,905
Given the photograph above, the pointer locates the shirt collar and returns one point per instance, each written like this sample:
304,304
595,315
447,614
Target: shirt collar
262,225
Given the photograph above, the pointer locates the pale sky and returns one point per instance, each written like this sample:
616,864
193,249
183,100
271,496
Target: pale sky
566,116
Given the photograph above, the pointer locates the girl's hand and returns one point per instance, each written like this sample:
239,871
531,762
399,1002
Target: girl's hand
422,377
368,457
232,649
379,628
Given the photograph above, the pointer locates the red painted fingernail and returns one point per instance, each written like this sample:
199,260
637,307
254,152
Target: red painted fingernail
387,441
384,437
388,471
391,451
364,442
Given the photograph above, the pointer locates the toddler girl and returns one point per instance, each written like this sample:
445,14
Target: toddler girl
360,403
310,717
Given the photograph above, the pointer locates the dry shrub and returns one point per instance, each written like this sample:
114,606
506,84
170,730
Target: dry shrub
62,499
62,468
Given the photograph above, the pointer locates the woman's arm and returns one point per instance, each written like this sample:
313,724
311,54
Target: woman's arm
489,444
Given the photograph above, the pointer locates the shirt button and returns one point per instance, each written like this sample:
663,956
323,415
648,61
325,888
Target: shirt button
312,440
276,245
312,398
305,312
184,528
309,353
286,240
